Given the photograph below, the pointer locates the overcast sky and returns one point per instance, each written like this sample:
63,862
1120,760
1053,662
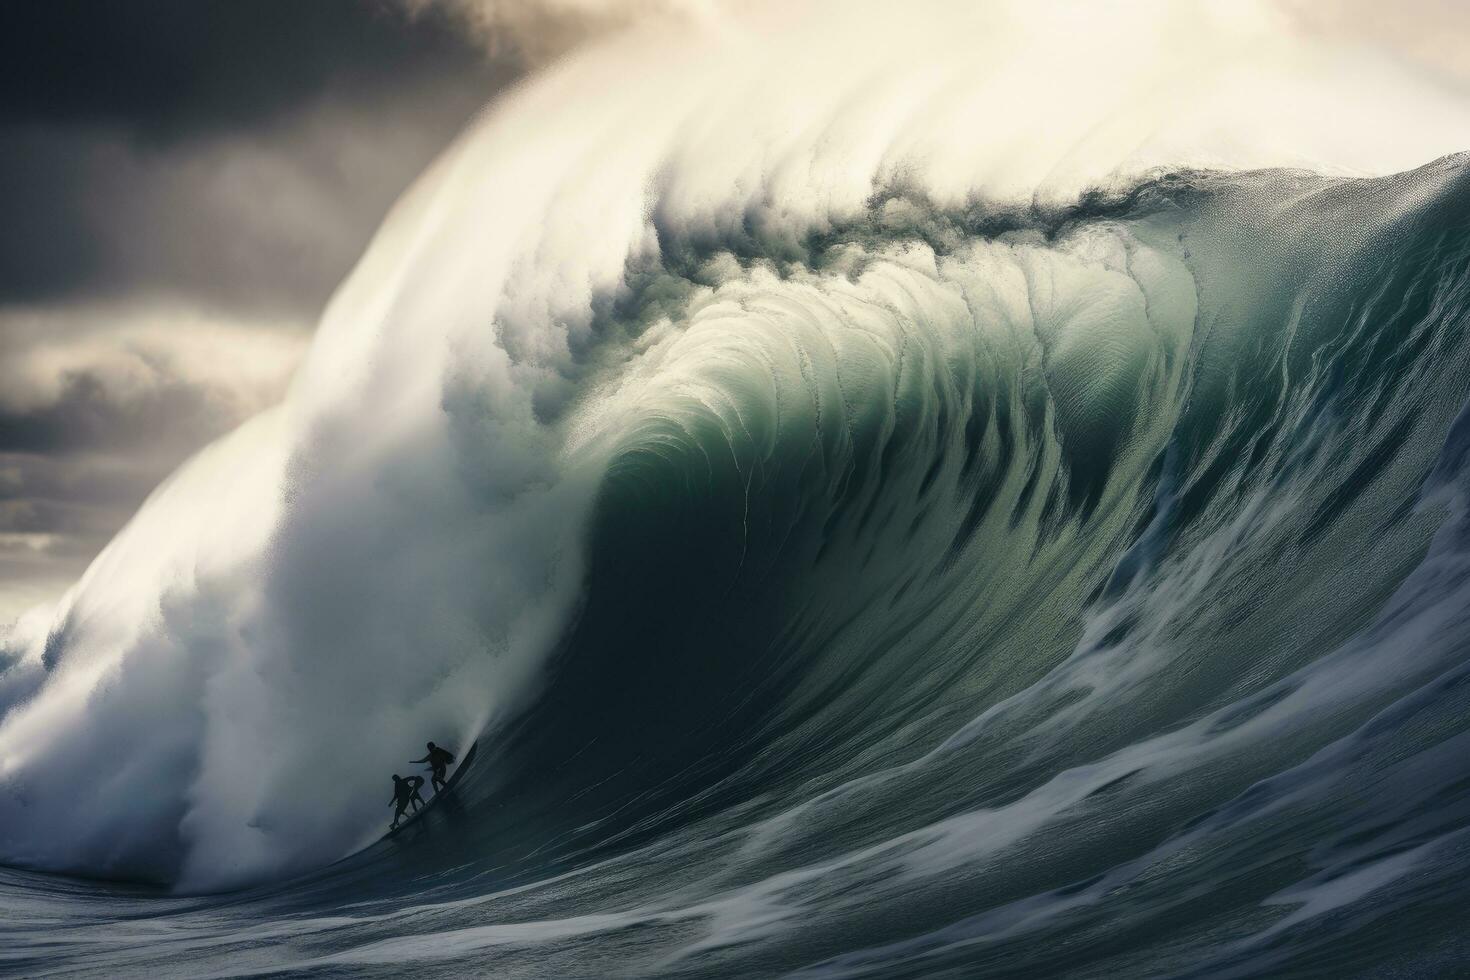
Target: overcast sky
183,184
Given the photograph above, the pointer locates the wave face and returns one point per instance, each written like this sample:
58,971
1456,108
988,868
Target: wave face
859,550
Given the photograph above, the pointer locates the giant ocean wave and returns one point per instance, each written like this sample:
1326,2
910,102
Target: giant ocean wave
871,534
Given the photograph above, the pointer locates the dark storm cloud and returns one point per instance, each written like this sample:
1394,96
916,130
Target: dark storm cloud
82,444
269,218
178,179
170,69
60,520
88,414
50,486
57,513
140,138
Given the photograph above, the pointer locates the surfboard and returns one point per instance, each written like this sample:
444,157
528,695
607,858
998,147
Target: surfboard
449,784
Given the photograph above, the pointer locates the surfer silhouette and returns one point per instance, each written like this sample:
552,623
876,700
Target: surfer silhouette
405,791
437,759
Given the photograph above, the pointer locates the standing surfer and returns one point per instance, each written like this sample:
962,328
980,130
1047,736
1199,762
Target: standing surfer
405,791
438,759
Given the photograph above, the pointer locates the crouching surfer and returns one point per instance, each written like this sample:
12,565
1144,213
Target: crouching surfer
405,791
438,760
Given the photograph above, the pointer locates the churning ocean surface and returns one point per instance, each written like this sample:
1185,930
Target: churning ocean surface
906,584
